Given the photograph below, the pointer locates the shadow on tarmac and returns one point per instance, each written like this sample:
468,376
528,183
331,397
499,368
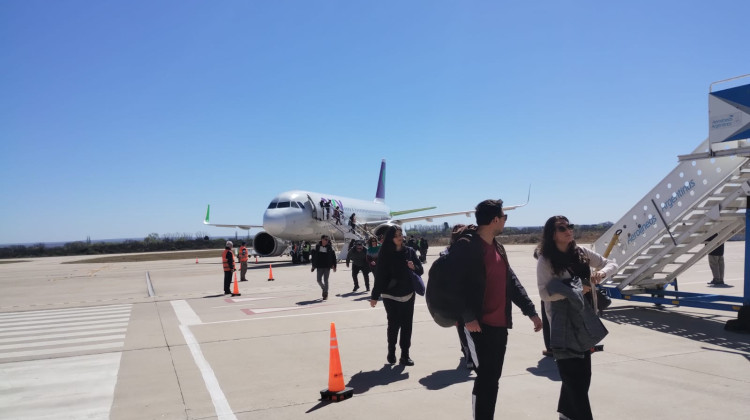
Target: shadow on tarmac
698,327
547,368
350,294
362,382
445,378
214,296
308,302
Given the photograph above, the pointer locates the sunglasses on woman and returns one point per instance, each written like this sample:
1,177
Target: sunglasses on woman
565,228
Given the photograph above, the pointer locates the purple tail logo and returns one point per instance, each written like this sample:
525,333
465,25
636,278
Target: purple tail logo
380,193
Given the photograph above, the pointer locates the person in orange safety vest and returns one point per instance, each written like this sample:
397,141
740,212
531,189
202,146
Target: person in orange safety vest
243,256
227,260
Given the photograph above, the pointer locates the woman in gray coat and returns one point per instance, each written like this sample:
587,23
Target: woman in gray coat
564,276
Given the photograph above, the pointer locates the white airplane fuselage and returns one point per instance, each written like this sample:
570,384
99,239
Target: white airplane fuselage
298,216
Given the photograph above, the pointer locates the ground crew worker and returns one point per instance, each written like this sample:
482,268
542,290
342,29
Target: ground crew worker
227,260
243,256
306,252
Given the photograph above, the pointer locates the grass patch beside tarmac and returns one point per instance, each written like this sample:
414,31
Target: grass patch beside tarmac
11,262
214,254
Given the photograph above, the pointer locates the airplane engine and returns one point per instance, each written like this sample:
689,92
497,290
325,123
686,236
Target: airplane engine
268,245
380,229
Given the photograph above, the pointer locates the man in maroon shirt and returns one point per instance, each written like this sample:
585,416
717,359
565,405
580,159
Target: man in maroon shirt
489,285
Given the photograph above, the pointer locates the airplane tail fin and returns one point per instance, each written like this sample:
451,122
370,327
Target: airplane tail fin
208,210
380,193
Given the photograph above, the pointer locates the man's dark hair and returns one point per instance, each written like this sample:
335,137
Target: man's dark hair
488,210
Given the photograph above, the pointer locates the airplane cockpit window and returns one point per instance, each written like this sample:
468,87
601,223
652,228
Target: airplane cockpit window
283,204
294,204
273,204
301,205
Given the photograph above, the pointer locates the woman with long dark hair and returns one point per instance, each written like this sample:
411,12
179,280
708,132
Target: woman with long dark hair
393,283
561,263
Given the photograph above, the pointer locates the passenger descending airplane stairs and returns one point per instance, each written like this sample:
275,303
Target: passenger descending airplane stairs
673,226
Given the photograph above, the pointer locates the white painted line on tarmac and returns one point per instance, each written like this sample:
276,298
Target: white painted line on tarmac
297,315
44,326
36,337
187,317
42,352
92,326
46,312
50,318
185,313
62,341
78,387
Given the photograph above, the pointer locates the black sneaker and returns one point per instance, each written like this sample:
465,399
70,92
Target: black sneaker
325,295
391,358
406,361
714,281
355,289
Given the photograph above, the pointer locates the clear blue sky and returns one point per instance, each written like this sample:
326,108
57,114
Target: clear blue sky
119,119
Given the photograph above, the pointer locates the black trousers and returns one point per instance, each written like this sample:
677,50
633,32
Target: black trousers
490,345
545,329
400,316
574,391
227,281
365,273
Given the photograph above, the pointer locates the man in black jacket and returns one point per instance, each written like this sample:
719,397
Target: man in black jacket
481,265
358,256
324,259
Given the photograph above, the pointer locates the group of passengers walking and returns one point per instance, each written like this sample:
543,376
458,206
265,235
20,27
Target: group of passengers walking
564,278
489,285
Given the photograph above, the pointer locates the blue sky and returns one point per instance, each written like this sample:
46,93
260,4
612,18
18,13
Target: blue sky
119,119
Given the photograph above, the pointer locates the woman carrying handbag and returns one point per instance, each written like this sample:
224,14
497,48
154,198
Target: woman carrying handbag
565,276
393,282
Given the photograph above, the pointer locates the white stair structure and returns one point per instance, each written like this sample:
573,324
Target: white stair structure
699,205
666,232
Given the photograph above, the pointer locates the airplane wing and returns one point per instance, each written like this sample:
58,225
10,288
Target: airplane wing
246,227
399,213
468,213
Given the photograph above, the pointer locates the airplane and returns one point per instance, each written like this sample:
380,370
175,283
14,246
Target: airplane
300,215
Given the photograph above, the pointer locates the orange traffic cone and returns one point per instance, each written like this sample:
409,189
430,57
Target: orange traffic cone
236,291
256,259
336,390
270,272
196,260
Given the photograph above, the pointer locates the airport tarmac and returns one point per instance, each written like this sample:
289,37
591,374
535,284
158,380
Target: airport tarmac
87,341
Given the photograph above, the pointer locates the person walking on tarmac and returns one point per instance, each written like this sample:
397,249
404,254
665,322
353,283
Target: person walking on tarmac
358,256
227,260
324,259
480,263
243,256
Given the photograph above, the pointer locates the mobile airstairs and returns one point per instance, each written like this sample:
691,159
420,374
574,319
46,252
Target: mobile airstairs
360,234
673,226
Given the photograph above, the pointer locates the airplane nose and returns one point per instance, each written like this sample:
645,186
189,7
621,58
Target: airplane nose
274,222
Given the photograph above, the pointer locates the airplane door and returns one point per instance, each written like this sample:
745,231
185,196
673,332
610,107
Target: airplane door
313,208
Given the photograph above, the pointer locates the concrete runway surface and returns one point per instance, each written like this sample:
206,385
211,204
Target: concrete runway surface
87,341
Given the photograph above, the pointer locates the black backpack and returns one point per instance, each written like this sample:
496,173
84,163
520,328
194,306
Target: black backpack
444,295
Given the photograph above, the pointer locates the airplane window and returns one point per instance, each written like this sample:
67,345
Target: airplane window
272,205
283,204
301,205
294,204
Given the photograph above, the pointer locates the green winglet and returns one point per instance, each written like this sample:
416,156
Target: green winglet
399,213
208,210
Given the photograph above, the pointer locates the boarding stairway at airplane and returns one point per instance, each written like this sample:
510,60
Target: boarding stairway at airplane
360,234
698,206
